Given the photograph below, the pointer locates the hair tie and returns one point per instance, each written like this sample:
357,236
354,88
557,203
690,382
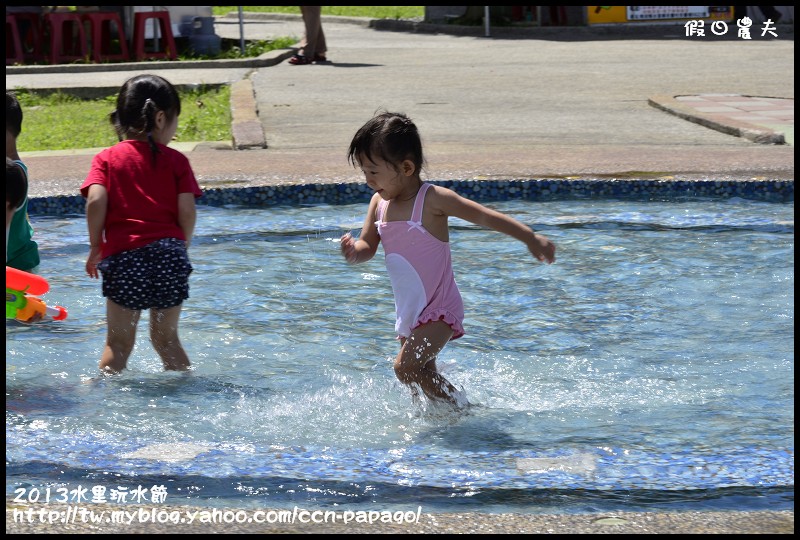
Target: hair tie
147,102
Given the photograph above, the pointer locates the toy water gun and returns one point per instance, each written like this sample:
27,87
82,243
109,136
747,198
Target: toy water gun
23,306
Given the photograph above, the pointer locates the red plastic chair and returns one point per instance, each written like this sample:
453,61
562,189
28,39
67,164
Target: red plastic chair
100,27
31,35
67,37
13,42
167,41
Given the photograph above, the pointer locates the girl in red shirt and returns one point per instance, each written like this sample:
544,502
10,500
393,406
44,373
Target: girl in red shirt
140,210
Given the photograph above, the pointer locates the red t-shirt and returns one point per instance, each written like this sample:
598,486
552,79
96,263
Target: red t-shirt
142,198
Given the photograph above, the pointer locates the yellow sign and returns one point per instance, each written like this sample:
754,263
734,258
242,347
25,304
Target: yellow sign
650,14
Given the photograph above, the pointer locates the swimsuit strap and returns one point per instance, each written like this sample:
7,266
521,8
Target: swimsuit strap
382,210
416,214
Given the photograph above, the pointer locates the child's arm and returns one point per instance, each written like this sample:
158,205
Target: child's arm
451,203
96,207
363,249
187,215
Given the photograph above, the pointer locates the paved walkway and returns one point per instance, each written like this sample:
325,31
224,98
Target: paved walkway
532,105
766,120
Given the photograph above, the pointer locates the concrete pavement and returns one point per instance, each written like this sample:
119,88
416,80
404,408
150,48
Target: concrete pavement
537,104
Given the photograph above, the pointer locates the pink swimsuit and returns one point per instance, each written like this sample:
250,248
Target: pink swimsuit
421,272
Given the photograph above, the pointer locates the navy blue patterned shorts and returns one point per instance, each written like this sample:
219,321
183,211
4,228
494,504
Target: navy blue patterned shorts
153,276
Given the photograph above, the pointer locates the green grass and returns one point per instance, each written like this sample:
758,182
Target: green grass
61,121
372,12
229,49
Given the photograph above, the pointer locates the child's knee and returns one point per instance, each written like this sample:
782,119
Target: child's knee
407,371
399,370
163,340
122,342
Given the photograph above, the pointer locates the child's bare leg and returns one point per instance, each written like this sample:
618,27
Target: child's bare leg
416,362
164,336
120,338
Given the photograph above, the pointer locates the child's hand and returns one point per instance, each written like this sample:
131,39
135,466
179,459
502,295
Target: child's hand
36,317
542,248
348,246
92,261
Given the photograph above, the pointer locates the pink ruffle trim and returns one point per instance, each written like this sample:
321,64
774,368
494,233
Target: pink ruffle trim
443,315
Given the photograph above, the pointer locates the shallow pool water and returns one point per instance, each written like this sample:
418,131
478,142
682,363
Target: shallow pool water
650,367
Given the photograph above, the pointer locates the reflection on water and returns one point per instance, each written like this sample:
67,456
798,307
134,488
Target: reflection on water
652,365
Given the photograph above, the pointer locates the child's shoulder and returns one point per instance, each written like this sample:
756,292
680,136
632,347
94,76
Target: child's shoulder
439,192
436,188
19,163
174,154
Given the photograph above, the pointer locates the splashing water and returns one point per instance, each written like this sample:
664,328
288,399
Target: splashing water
652,365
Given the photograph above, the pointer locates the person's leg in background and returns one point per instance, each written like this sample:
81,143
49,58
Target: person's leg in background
312,47
316,47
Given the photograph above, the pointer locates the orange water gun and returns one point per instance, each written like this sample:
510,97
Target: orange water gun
21,304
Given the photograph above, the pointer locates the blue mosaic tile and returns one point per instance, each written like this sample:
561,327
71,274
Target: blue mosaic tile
479,190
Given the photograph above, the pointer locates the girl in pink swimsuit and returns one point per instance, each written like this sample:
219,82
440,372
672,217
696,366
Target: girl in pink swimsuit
410,217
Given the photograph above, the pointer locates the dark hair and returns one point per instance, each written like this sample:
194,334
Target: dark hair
139,99
13,114
16,183
392,137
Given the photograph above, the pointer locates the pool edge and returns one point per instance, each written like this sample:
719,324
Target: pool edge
480,190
